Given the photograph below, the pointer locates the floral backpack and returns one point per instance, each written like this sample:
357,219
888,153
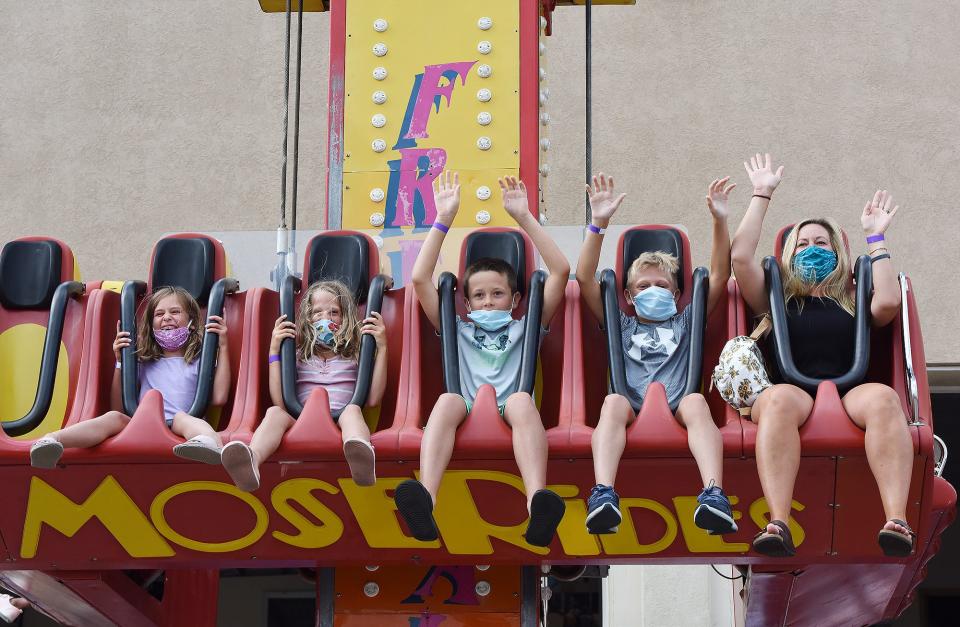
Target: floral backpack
741,375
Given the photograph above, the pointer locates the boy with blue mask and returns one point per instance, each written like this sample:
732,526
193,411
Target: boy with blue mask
656,344
489,347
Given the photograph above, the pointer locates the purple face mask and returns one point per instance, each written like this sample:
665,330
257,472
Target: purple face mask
172,339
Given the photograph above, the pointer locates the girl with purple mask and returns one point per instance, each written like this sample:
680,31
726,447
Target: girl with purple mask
169,338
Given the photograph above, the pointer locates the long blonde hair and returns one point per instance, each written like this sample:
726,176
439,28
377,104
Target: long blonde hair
836,285
346,339
148,349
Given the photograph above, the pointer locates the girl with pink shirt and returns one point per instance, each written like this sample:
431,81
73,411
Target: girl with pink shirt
328,336
169,338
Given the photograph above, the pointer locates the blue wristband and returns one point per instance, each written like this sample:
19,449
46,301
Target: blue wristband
273,358
441,227
593,228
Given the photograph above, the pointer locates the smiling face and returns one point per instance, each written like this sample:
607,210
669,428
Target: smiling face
170,313
325,304
488,289
813,234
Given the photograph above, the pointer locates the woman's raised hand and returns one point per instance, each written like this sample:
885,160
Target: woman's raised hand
282,329
717,196
446,196
760,171
877,214
603,201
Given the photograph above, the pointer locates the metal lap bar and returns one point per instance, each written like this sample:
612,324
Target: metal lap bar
48,363
531,334
131,292
288,348
613,334
211,347
784,354
368,345
698,327
911,376
448,333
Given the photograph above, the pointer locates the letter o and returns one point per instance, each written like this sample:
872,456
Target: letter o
160,522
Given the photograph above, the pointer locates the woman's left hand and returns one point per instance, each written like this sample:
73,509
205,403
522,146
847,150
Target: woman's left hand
877,214
373,325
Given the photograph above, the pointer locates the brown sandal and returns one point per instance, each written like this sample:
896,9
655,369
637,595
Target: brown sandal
896,544
775,544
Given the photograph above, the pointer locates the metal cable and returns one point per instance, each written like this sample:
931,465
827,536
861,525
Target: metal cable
589,104
296,122
286,125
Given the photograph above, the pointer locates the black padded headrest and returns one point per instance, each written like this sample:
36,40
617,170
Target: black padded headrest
506,245
342,257
640,241
29,274
184,262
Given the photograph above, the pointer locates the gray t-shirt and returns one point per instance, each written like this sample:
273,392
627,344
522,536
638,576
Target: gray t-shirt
492,358
656,351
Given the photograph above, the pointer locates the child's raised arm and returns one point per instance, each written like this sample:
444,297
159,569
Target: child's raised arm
515,203
603,204
717,196
743,250
447,198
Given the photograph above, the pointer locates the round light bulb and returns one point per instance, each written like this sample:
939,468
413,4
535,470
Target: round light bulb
484,71
380,25
483,192
378,145
376,219
484,118
379,120
379,73
377,195
484,47
380,49
379,97
484,143
484,23
483,217
484,95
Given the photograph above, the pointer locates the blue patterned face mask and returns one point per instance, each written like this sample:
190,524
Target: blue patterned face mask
655,303
325,329
813,264
490,319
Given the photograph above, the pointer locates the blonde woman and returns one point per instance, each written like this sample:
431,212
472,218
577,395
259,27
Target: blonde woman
327,334
816,268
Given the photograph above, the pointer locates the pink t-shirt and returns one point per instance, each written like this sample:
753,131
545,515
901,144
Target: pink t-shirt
337,374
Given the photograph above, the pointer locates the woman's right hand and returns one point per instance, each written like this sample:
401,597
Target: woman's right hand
282,329
760,171
121,341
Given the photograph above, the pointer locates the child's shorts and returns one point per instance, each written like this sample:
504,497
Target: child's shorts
470,407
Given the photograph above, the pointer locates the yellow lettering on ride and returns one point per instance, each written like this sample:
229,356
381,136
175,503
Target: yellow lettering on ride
376,515
160,522
625,541
697,539
115,510
311,535
572,531
759,513
459,521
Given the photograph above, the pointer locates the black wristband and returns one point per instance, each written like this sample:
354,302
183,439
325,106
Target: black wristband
879,257
761,196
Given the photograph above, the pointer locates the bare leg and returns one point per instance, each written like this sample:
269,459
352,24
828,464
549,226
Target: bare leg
438,436
352,425
876,408
266,439
610,437
91,432
779,412
703,437
187,427
529,441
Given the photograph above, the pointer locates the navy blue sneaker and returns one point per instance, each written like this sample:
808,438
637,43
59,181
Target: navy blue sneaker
714,513
603,510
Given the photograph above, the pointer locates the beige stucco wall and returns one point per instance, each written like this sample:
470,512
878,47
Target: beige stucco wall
122,121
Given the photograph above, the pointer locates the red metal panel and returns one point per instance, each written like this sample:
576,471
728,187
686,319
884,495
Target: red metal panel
530,101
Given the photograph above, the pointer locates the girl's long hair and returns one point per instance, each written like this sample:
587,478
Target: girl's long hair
836,285
346,340
148,349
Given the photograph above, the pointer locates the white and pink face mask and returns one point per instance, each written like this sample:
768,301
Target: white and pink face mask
172,339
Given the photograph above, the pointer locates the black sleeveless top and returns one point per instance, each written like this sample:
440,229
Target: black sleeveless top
822,337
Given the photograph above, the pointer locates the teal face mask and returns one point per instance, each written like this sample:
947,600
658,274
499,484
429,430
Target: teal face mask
814,264
655,303
325,330
490,319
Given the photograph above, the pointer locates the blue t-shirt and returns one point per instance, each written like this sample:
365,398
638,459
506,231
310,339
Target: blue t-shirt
490,357
656,351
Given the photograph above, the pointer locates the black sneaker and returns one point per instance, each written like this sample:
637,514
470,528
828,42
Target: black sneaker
416,507
603,510
546,512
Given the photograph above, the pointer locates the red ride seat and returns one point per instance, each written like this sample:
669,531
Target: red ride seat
352,258
484,434
655,433
39,290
